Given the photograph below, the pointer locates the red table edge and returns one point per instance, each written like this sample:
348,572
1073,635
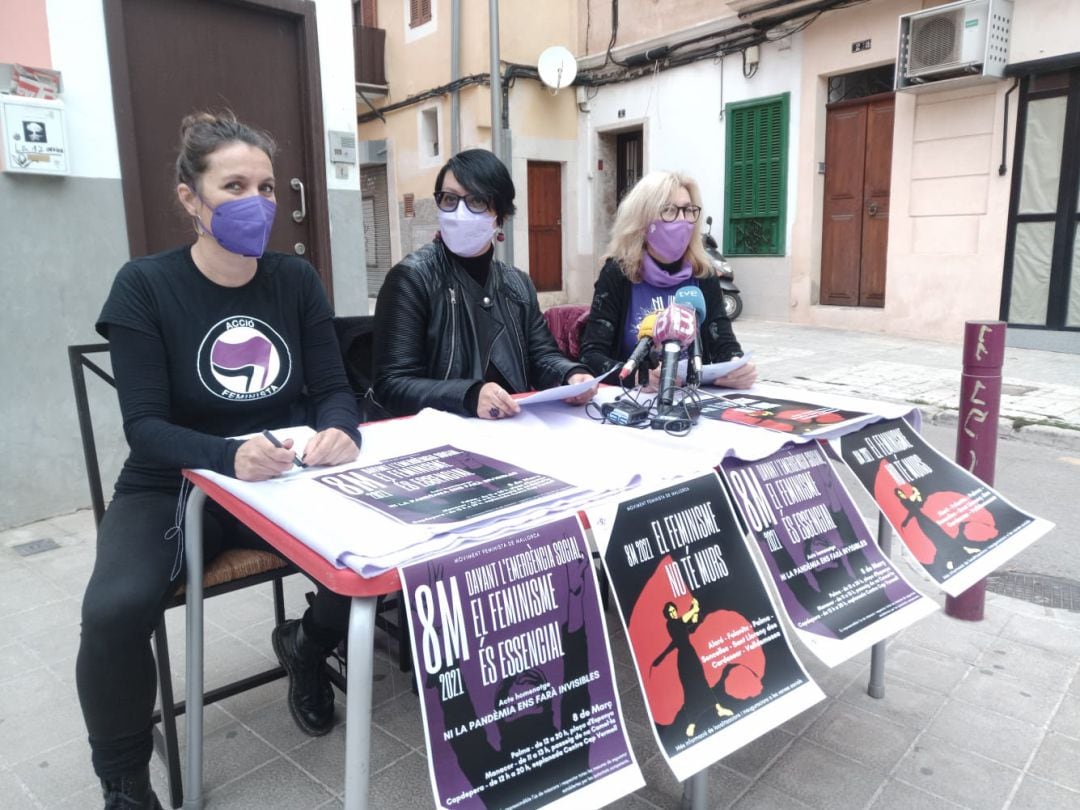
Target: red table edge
343,581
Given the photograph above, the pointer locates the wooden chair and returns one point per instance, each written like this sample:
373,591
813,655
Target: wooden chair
230,571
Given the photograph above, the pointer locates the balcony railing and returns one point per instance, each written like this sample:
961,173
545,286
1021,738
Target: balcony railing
370,57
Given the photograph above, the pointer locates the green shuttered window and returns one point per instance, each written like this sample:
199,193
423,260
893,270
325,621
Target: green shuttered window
756,195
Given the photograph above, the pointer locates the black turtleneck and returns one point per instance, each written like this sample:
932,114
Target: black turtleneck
478,267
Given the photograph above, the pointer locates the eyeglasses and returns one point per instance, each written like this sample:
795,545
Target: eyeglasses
670,212
448,202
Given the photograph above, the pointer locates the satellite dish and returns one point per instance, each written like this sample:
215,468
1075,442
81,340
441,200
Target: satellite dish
557,67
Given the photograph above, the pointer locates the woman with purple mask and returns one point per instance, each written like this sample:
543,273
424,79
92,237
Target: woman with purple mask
458,330
655,250
208,341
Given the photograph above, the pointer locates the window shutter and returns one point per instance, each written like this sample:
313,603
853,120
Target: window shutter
756,193
419,12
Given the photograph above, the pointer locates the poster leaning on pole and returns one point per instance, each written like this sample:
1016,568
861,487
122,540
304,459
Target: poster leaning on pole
517,686
957,528
839,592
714,663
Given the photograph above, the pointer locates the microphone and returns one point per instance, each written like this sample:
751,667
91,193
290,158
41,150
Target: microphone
692,297
676,327
644,344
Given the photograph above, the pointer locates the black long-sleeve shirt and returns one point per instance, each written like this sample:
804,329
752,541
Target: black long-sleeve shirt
196,362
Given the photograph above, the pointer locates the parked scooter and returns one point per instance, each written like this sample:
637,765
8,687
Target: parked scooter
732,300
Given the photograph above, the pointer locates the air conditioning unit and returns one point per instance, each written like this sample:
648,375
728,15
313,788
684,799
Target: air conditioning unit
964,40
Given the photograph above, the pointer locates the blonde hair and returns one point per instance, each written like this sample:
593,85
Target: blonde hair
640,207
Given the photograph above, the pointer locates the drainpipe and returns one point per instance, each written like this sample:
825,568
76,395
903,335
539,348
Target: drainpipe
506,248
455,74
496,79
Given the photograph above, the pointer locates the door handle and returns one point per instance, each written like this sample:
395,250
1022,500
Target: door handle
872,209
301,214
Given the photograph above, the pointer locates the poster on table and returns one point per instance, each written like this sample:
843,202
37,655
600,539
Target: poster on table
518,696
441,485
839,592
958,528
779,415
715,666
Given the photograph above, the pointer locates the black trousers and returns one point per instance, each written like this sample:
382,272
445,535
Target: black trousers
136,573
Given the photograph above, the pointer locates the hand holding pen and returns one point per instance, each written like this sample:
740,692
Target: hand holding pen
266,456
270,437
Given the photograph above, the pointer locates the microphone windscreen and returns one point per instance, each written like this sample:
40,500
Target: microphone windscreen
677,323
692,297
647,326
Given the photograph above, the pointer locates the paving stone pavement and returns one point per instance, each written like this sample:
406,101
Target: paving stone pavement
976,715
1040,398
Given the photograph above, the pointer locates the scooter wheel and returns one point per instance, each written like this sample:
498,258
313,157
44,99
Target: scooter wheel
732,305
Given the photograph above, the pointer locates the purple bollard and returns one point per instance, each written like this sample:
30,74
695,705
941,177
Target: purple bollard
976,435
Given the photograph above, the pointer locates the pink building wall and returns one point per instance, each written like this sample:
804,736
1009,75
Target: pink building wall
24,35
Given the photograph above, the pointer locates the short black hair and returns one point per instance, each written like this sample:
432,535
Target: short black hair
481,173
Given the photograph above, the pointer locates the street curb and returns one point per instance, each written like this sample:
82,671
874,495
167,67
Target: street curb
1045,435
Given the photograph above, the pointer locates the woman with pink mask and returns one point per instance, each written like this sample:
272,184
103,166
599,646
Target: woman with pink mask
655,250
458,330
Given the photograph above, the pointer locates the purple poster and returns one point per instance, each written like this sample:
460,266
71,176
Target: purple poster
838,591
518,691
441,485
958,528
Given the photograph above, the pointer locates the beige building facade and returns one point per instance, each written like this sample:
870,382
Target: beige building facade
414,140
905,212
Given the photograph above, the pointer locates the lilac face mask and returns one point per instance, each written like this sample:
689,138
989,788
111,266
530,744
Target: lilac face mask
465,233
243,226
669,240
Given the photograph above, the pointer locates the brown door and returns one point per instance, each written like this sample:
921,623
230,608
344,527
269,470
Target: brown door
258,58
545,225
628,162
855,230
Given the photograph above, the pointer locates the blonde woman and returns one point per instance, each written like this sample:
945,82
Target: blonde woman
656,249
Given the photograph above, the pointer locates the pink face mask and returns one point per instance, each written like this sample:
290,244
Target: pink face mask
669,240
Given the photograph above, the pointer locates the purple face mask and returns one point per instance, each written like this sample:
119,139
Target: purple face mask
243,226
669,240
466,233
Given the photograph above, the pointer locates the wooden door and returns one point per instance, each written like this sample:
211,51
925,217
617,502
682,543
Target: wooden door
855,229
628,162
258,58
545,225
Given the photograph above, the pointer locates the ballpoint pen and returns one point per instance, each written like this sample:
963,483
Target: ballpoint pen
270,437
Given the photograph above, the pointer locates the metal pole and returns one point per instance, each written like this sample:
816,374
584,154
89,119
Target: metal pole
976,435
696,792
496,79
455,74
876,687
193,551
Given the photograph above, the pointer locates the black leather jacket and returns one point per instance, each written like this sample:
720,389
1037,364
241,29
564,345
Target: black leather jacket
436,331
611,300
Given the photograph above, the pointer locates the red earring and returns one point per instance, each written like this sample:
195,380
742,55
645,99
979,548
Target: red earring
500,237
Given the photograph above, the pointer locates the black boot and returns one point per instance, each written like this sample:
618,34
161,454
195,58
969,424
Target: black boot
311,698
130,792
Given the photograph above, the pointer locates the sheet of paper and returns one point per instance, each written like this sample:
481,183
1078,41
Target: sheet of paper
714,371
564,391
